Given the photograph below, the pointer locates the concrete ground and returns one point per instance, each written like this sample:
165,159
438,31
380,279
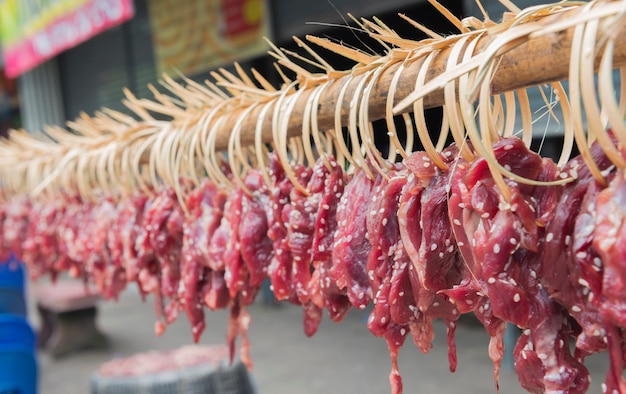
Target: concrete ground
340,358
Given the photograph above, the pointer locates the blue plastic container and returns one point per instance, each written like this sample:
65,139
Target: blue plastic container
15,330
18,363
12,274
18,370
12,288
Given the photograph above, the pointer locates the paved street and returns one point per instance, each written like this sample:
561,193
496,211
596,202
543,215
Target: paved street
340,358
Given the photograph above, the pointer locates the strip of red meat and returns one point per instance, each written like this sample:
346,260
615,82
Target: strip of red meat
217,245
245,225
32,254
236,271
67,233
214,290
62,262
98,254
555,272
130,232
609,240
383,230
543,361
574,267
15,226
115,244
196,237
149,266
238,324
468,295
437,255
168,246
499,229
550,326
609,231
582,297
351,247
428,238
172,272
256,247
335,300
301,235
94,254
279,270
504,248
300,231
388,269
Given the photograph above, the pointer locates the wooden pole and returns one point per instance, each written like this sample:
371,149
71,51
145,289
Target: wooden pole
539,60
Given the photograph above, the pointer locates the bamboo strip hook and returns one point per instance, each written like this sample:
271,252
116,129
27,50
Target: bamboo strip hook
457,71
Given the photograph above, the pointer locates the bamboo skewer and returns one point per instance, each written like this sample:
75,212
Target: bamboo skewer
487,63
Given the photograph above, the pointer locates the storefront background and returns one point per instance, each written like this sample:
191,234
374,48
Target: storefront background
196,37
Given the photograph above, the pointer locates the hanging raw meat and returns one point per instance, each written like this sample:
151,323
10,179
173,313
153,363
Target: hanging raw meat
351,247
335,300
422,243
205,211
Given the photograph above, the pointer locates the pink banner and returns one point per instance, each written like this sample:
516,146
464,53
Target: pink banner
77,26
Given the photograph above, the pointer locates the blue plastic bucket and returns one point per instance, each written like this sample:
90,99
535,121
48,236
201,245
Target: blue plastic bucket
12,274
15,330
12,288
18,370
18,363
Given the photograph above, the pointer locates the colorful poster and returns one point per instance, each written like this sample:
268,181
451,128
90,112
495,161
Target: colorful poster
33,31
195,36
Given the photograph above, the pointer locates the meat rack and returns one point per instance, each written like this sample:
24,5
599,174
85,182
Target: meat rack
539,45
478,77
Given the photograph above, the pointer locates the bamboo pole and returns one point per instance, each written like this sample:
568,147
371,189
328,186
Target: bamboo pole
535,61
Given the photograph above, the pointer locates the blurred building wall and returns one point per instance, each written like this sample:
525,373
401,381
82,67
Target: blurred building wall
93,74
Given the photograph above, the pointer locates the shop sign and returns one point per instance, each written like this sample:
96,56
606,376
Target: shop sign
195,36
33,31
